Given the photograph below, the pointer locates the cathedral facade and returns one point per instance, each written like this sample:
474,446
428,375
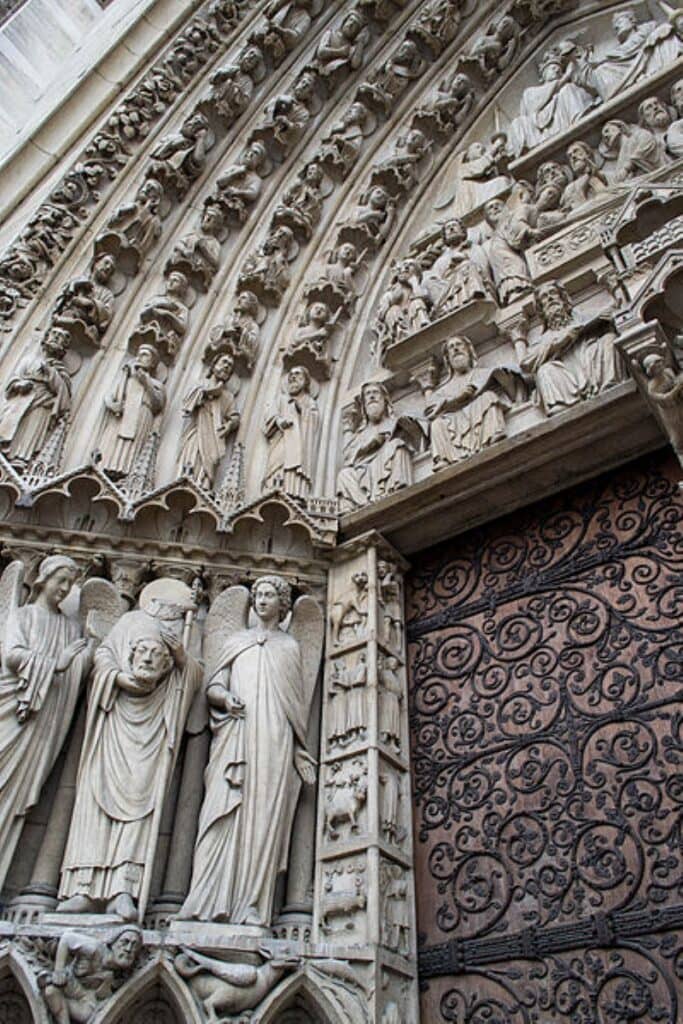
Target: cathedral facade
341,435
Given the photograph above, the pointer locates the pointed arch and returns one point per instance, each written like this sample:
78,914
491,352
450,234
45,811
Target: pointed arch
299,991
18,983
157,982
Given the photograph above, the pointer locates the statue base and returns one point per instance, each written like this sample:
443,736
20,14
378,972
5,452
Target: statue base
85,920
214,933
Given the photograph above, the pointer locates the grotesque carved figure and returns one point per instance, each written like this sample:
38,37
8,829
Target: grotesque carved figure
198,253
260,686
44,662
87,971
629,150
379,447
143,685
85,306
467,410
37,399
223,988
180,158
130,410
403,307
341,49
209,418
291,427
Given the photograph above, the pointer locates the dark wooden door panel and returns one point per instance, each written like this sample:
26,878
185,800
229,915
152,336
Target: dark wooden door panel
547,756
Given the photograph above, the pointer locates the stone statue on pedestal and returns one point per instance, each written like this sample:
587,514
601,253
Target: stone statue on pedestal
261,679
143,686
45,660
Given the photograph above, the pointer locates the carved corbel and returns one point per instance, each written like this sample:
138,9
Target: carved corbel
651,360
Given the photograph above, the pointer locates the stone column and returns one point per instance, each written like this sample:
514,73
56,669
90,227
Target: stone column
41,892
181,845
365,901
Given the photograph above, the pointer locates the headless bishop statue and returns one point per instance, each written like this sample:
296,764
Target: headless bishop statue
143,686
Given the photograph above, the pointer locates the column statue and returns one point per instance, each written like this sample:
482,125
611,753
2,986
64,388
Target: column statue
261,679
143,686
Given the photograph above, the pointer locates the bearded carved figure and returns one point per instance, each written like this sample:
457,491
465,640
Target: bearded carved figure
379,448
291,427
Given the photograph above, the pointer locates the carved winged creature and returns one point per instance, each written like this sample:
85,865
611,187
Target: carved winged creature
45,659
261,677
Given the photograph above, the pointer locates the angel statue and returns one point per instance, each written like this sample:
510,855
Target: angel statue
261,676
45,659
144,684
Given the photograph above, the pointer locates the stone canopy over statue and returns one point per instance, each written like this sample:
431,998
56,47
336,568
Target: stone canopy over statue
261,677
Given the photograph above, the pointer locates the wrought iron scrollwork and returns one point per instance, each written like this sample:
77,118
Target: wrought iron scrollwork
547,744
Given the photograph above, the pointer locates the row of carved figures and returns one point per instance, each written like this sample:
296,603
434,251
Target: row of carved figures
488,262
145,691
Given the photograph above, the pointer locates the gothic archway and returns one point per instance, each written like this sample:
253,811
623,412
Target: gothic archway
14,1006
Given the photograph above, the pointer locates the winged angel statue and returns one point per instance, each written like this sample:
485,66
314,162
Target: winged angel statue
45,659
261,667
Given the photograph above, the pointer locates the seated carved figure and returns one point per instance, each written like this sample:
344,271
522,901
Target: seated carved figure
379,447
240,185
467,409
574,356
403,307
549,108
180,158
457,272
199,252
641,49
341,147
341,49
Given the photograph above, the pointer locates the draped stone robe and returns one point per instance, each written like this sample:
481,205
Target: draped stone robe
292,451
130,746
251,784
34,639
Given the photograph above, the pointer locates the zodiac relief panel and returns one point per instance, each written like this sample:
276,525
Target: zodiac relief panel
544,688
